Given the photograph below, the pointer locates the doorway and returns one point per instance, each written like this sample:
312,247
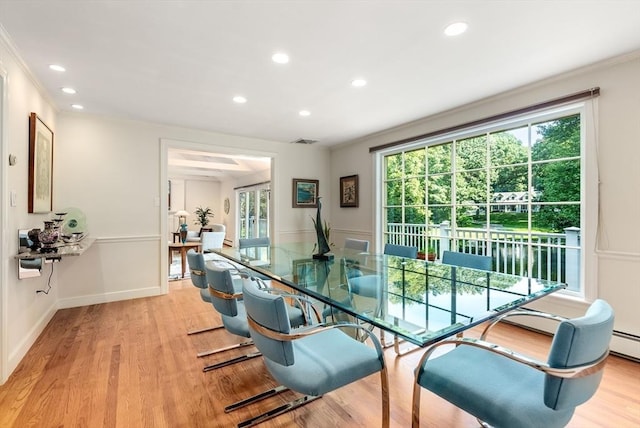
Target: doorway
253,211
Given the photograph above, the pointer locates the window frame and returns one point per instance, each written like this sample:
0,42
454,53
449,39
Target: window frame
589,198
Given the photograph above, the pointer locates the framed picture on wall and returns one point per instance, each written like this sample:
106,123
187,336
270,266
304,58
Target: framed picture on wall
40,197
349,191
305,193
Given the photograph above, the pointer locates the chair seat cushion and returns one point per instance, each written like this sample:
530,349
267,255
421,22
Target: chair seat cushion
324,362
237,324
492,388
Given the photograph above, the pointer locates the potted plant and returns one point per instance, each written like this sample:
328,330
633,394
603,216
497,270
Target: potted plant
432,253
422,255
203,215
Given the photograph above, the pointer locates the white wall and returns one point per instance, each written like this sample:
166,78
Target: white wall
111,170
26,311
617,252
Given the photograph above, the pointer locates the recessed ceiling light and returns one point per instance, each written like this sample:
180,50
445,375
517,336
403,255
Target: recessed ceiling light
280,58
456,28
77,106
68,90
358,83
239,99
304,113
56,67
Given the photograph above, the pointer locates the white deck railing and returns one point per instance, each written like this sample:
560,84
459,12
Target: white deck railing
552,256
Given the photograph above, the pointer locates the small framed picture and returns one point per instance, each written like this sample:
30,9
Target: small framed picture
40,199
349,191
305,193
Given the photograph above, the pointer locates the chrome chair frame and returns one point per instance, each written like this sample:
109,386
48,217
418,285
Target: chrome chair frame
301,401
567,373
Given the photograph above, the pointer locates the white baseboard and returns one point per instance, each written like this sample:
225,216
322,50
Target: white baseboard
27,342
95,299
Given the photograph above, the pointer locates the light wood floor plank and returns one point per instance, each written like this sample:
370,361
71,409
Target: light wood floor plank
132,364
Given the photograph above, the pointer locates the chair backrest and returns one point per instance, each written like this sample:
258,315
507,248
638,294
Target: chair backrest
577,342
270,312
211,240
217,227
473,261
401,251
254,242
356,244
219,278
196,267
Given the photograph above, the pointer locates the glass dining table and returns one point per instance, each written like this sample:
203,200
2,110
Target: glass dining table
415,300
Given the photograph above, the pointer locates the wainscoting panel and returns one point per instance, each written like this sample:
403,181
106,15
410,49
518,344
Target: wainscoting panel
114,268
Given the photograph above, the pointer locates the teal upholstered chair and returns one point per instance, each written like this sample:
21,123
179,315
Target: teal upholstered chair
198,279
226,296
506,389
356,245
405,251
311,361
254,242
473,261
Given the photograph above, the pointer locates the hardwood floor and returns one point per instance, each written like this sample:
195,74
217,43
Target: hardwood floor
131,364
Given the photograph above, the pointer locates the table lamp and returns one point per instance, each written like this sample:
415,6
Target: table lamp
182,216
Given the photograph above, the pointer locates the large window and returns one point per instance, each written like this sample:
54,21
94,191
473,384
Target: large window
512,190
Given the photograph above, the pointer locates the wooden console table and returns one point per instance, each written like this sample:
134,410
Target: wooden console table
183,248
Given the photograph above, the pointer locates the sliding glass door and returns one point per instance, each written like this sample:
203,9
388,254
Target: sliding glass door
253,211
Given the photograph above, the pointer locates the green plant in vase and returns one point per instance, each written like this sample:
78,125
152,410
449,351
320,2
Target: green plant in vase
203,215
432,253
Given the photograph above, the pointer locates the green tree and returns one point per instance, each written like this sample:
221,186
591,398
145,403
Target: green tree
557,175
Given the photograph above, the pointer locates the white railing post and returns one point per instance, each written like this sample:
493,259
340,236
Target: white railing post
572,258
445,242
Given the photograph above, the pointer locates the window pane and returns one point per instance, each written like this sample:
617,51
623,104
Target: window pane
439,214
465,215
509,147
471,153
557,181
471,187
414,162
510,218
414,191
394,215
509,179
439,158
557,139
440,189
393,166
415,215
394,192
555,218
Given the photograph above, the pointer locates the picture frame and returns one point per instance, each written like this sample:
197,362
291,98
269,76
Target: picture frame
349,191
40,195
305,193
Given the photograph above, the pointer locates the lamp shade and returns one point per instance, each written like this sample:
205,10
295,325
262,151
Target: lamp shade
182,213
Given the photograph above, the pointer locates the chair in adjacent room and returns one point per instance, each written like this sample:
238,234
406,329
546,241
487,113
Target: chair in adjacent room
503,388
227,299
211,241
473,261
401,251
311,361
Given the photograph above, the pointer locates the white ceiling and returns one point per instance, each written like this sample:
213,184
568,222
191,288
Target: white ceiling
182,62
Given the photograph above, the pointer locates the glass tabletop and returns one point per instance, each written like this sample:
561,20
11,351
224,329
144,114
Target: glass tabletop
419,301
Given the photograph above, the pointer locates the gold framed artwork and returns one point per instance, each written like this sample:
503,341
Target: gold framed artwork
40,198
305,193
349,191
